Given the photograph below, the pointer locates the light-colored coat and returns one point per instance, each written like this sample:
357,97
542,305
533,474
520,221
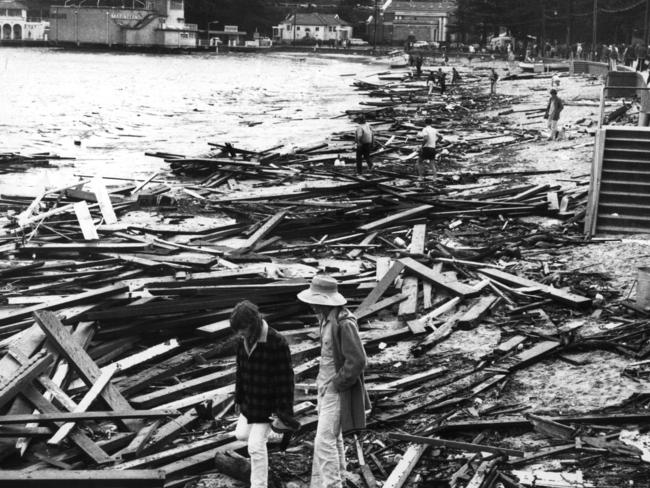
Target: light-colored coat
350,360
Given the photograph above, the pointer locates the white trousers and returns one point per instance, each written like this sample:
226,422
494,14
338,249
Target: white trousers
256,436
329,451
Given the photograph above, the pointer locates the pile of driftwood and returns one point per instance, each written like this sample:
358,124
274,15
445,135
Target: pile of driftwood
117,360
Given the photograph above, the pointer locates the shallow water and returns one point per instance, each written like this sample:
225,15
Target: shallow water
107,109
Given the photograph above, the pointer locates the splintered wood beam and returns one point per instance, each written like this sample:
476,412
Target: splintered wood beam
409,307
23,377
21,431
110,478
78,358
85,402
178,452
261,232
438,279
402,471
82,441
381,287
406,214
373,309
366,240
461,446
169,431
82,416
514,280
63,302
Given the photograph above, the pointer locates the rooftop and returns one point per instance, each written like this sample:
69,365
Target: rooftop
443,6
12,4
317,19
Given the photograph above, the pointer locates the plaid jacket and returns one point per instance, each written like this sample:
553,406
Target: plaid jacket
264,383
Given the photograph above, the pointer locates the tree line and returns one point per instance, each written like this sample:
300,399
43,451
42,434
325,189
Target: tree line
556,21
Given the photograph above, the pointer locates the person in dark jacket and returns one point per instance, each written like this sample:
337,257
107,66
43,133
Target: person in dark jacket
553,109
263,386
342,397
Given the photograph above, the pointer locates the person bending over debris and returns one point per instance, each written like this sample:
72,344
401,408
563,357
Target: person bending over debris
263,386
553,110
364,139
342,397
430,137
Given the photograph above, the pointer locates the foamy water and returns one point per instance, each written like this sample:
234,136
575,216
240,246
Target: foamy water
107,109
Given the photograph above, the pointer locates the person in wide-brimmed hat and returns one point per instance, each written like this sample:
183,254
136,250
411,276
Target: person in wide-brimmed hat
342,397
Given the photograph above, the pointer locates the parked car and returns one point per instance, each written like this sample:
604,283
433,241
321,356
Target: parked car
420,45
355,41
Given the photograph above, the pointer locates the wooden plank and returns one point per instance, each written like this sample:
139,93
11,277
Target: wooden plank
476,312
414,379
514,280
462,446
402,471
110,478
170,431
262,232
511,343
79,438
381,287
366,240
423,324
63,302
217,379
437,279
373,309
104,200
382,265
136,446
400,216
78,358
24,431
23,377
538,350
88,415
200,460
85,220
84,404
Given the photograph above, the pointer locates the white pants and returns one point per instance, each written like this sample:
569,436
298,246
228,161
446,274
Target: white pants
256,436
329,452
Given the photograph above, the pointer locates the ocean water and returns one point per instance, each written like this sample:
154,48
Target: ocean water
106,109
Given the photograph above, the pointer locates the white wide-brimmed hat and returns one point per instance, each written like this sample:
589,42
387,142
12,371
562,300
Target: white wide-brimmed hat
323,290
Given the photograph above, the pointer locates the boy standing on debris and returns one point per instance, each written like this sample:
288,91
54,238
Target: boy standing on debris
342,397
430,137
553,110
494,77
263,386
364,139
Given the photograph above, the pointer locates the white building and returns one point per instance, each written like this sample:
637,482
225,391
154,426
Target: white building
15,26
321,27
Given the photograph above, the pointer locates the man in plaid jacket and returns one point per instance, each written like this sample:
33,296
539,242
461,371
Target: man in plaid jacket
264,384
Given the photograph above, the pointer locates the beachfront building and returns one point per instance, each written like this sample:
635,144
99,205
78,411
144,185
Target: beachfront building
399,21
149,23
15,26
326,28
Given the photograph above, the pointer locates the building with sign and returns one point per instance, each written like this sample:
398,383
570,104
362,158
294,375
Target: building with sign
325,28
399,21
150,23
15,26
231,33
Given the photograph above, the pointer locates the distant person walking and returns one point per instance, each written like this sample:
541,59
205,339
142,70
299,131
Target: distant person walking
430,137
553,110
442,80
364,138
418,66
494,77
